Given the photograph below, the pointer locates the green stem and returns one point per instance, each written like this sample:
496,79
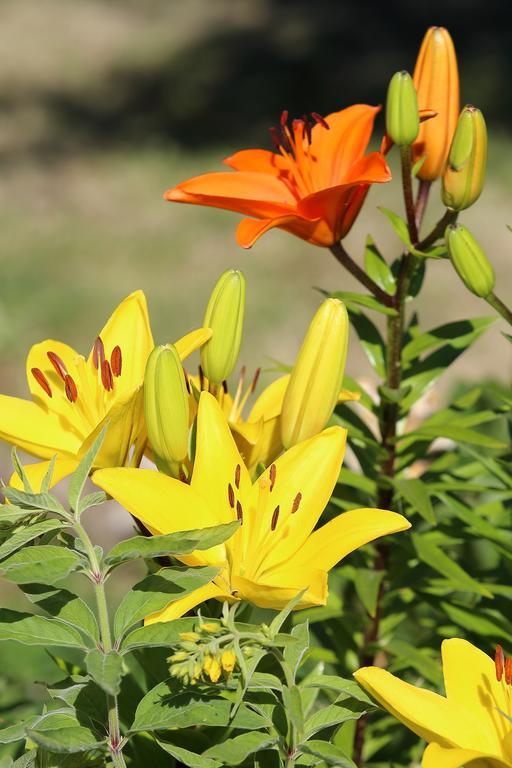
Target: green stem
449,217
500,307
98,579
351,266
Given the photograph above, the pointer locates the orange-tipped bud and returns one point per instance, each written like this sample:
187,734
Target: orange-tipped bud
464,177
436,78
499,663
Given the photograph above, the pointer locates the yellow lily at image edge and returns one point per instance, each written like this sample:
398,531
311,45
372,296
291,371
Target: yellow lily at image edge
73,397
275,553
471,725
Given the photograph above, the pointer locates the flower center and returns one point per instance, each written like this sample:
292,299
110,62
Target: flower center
294,144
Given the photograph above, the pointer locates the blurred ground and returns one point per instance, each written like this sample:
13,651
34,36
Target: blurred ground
104,104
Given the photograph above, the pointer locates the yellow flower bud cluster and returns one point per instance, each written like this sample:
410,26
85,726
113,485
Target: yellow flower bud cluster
204,654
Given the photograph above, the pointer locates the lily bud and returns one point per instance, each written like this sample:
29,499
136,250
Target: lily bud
436,78
402,116
225,316
317,375
464,177
470,262
166,408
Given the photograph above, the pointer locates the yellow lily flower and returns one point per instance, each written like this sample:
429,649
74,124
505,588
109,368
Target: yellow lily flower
276,553
471,725
73,397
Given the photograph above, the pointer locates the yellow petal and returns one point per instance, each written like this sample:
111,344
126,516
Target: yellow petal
40,433
346,395
470,681
250,432
125,439
346,533
162,504
216,462
270,403
36,472
304,479
281,586
192,341
128,327
429,715
179,607
436,756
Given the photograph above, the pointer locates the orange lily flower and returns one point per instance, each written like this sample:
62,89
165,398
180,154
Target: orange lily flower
313,185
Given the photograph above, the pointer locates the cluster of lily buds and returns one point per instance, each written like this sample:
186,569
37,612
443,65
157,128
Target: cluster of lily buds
470,261
503,666
204,654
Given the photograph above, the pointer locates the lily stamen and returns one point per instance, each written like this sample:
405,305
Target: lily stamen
231,496
499,663
508,671
239,512
98,354
296,503
116,361
237,475
71,389
272,475
42,381
58,364
106,376
275,518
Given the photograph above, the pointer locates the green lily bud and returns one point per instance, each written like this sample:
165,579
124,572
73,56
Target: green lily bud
464,176
317,375
225,316
402,115
166,408
470,262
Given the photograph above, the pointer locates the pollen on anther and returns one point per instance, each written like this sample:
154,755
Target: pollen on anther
255,379
499,662
284,118
42,381
239,512
71,389
272,475
508,671
296,503
116,361
237,475
58,364
275,518
231,496
106,376
98,352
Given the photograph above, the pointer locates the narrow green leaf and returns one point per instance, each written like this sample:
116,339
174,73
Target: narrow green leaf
415,492
457,434
294,652
37,630
460,335
367,583
106,669
45,564
91,500
157,591
188,758
329,753
83,470
355,300
33,501
371,340
329,716
293,705
20,471
398,224
278,621
377,267
47,479
25,535
418,658
431,554
179,543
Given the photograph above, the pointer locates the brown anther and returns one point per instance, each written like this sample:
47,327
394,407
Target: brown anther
187,382
276,140
237,475
284,118
225,387
508,671
320,120
231,496
201,379
296,503
307,127
106,376
98,353
239,512
116,361
298,123
255,378
71,390
42,381
275,518
272,475
499,662
58,364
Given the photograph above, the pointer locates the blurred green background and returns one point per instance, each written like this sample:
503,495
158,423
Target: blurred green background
106,103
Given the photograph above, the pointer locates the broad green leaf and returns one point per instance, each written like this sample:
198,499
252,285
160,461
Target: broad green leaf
155,592
106,669
294,652
433,556
84,696
234,751
161,634
367,582
460,335
328,717
80,475
16,732
344,688
179,543
293,705
11,515
93,499
33,501
415,492
66,606
188,758
41,564
377,268
168,706
37,630
328,753
29,533
61,732
399,225
371,340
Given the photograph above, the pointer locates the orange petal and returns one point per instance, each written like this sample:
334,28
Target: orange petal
337,206
259,160
254,194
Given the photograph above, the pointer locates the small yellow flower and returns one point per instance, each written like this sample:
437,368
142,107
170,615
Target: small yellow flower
211,627
228,660
214,670
190,637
